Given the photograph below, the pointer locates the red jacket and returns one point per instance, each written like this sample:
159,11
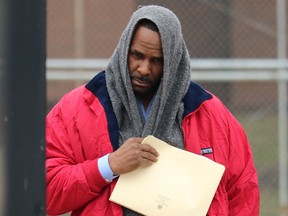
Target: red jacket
82,127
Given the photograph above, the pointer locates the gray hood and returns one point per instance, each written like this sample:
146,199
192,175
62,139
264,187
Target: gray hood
165,117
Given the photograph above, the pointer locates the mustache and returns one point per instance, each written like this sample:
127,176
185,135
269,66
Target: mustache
141,78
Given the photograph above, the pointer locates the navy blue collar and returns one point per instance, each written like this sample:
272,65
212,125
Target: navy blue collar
98,87
194,97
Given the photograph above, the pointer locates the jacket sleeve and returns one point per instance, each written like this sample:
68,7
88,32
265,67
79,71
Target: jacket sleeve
70,184
242,181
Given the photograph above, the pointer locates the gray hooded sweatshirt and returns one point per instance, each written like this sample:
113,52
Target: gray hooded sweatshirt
165,117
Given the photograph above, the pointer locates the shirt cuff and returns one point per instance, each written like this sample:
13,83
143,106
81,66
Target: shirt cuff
104,168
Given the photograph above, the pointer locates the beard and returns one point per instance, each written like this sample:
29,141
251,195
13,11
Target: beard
144,85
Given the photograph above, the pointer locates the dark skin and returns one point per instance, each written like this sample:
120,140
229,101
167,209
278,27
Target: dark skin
145,62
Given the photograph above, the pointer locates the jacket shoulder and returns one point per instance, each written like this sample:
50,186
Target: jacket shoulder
194,97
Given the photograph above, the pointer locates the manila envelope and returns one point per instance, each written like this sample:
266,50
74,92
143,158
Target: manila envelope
179,183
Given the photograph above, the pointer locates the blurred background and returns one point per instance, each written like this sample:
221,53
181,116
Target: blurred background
238,51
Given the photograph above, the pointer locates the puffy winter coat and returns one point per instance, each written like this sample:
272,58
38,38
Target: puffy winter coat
82,127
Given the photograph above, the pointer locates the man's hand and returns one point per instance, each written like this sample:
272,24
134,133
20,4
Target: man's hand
132,155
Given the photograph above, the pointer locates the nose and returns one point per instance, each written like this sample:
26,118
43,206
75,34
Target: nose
144,67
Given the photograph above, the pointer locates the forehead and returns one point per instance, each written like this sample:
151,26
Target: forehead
146,39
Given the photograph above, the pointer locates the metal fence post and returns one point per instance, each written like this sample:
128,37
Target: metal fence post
22,112
282,105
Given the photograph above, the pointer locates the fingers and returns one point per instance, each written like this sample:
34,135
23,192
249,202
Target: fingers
150,149
149,153
132,155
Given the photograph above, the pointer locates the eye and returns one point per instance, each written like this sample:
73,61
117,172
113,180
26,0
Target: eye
136,55
158,60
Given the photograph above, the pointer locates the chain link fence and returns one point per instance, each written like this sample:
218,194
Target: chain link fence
215,31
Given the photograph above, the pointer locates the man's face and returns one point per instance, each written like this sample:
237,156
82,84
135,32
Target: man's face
145,62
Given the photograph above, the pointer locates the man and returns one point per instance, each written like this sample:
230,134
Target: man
94,132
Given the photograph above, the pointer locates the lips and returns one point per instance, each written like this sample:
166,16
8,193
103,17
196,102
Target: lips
140,82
